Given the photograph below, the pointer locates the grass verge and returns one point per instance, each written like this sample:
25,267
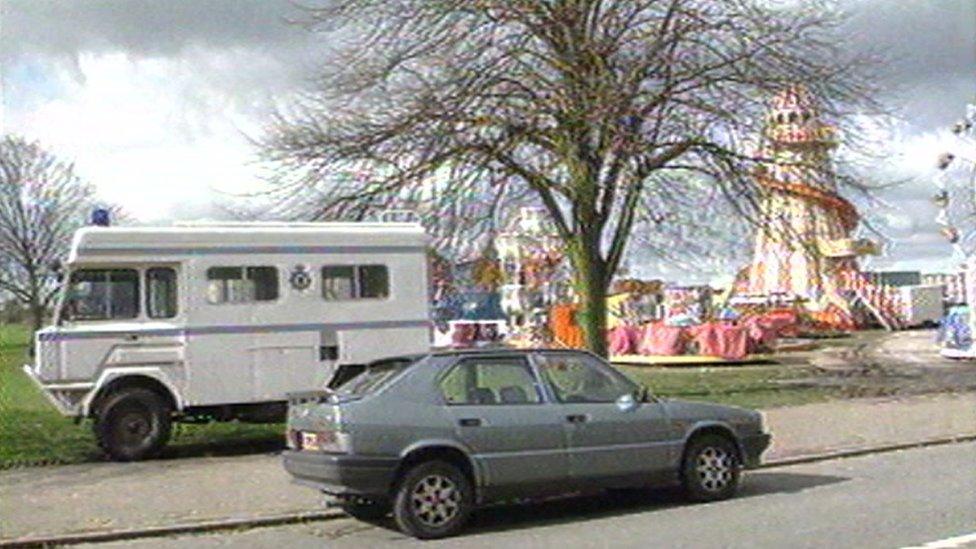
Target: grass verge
32,432
758,386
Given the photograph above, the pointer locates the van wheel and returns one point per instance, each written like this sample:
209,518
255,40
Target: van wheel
433,500
710,469
133,424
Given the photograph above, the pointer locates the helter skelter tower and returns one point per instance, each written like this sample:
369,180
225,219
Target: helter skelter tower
805,249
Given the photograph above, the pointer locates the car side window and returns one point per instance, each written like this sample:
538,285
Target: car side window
582,378
490,381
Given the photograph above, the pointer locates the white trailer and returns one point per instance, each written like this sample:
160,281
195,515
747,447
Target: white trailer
922,304
201,322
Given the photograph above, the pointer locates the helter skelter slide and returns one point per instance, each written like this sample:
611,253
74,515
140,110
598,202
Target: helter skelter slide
806,249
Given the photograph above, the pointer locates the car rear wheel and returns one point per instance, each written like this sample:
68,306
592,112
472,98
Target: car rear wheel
433,500
711,467
133,424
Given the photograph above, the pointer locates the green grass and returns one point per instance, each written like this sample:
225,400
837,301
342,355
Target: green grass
749,386
32,431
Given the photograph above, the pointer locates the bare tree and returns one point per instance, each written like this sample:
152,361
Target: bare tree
590,108
42,202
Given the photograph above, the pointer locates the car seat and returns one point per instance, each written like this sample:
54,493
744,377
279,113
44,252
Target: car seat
513,394
481,395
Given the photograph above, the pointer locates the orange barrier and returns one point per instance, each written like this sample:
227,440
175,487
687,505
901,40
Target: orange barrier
565,330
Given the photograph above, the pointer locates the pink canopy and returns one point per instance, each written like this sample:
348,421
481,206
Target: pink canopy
622,340
663,340
721,339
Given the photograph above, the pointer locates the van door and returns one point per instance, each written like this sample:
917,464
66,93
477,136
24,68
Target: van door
285,363
100,314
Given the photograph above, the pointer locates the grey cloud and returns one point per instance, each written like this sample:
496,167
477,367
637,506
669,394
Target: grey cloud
239,54
143,27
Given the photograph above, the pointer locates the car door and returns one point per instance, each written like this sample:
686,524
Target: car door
500,412
608,438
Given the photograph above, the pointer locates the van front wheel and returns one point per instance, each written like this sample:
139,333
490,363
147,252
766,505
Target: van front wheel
133,424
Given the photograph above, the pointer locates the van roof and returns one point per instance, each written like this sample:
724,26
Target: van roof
110,244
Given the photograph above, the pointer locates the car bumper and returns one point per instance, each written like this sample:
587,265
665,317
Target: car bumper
752,448
340,474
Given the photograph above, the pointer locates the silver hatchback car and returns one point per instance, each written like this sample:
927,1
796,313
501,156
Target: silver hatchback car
431,437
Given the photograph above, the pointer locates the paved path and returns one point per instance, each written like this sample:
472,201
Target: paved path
109,496
898,499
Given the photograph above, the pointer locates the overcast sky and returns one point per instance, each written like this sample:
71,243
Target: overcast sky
153,99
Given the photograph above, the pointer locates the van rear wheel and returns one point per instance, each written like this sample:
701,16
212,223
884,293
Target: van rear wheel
133,424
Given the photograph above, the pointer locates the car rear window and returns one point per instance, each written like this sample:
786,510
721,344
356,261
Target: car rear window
375,376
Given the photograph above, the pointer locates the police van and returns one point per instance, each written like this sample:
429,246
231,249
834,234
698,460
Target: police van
221,321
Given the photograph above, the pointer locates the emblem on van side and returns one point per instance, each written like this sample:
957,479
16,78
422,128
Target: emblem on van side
300,278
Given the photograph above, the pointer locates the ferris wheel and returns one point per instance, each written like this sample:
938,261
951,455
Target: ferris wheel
955,194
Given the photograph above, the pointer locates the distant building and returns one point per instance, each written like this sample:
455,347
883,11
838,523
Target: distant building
954,285
895,278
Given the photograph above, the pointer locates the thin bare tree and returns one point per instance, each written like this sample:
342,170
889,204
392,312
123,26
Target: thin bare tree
42,202
589,108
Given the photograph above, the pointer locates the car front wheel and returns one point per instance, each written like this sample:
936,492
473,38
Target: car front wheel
710,470
433,500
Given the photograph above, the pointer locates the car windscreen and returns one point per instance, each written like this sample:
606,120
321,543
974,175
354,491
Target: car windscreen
374,376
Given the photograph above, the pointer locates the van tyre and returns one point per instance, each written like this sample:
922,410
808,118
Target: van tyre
433,500
710,469
133,424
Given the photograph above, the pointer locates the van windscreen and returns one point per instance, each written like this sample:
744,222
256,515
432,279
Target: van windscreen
102,294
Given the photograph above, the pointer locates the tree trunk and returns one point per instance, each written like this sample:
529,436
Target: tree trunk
591,287
36,316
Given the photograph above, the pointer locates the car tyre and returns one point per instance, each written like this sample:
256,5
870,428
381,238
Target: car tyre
366,512
710,469
133,424
433,500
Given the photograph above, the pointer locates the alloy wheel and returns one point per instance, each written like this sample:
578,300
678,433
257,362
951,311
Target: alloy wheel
715,467
435,500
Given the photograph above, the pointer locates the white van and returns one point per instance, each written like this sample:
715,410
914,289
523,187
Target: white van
219,322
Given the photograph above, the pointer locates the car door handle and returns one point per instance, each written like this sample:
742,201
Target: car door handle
470,422
131,337
576,418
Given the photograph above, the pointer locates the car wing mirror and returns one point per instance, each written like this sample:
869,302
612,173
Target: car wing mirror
627,403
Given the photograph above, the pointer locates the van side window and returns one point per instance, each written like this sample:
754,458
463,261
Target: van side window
337,283
341,282
374,281
242,284
160,292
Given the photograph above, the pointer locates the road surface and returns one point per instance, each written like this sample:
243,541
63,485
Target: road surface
899,499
